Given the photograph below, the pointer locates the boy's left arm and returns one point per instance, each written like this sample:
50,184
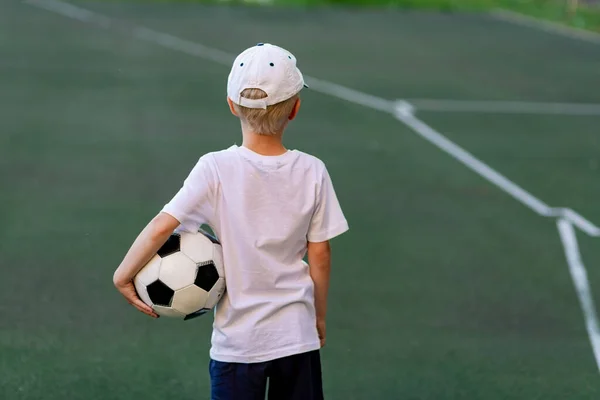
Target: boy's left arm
152,237
190,207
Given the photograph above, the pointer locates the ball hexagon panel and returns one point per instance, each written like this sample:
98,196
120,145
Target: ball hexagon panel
215,293
160,294
197,247
168,312
177,271
149,273
172,245
207,276
146,276
142,292
189,299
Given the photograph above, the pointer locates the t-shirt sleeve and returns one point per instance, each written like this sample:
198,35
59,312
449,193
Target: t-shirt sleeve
328,220
193,205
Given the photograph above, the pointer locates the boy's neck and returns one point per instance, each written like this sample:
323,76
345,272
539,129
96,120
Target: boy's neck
266,145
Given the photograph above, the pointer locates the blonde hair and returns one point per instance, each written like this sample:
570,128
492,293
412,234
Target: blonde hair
265,122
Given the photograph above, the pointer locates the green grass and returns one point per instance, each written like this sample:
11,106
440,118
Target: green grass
445,287
583,17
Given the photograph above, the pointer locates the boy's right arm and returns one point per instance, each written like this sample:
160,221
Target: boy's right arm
327,222
319,261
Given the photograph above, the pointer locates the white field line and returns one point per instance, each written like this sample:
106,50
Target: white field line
351,95
404,112
504,107
71,11
547,26
181,45
582,284
577,220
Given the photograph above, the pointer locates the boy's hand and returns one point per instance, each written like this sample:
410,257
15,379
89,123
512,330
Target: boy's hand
152,237
321,331
127,289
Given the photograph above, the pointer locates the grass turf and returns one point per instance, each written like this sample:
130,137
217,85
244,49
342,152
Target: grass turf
444,288
577,14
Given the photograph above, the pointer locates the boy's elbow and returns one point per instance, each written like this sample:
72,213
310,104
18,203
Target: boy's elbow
118,279
162,226
319,252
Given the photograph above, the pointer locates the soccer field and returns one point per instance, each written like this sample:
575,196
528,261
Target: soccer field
465,151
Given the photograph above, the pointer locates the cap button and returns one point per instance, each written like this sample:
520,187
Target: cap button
260,44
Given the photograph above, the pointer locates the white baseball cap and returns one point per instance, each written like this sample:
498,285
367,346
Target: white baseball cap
269,68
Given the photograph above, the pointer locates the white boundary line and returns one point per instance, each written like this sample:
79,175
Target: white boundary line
577,220
566,217
505,107
581,282
546,26
404,112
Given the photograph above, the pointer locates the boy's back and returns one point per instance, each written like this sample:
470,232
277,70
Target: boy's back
270,207
264,209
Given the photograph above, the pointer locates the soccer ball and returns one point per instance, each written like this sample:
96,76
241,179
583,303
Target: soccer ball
185,278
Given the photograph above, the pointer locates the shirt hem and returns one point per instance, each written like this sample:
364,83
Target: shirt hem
330,233
230,358
181,218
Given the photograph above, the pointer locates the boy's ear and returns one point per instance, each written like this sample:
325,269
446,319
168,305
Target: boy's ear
295,110
231,107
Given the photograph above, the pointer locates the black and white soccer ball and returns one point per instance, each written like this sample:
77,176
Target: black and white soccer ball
186,278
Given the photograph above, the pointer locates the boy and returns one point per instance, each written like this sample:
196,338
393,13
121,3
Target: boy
269,206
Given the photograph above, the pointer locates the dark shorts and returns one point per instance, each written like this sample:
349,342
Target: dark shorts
296,377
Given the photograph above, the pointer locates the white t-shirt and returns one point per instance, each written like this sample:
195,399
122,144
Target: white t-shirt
263,209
